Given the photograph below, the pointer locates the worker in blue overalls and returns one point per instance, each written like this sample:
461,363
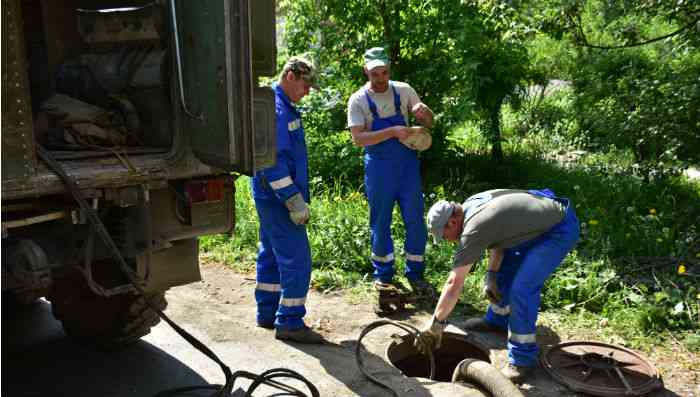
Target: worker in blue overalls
378,118
281,194
528,233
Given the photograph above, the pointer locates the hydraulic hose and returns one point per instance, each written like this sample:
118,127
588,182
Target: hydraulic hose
225,390
380,323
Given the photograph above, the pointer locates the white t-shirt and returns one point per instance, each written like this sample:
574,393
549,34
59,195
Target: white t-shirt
358,107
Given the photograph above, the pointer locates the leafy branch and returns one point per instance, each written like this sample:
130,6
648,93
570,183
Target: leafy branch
582,40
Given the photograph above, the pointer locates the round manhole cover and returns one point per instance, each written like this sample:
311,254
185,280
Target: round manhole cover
600,369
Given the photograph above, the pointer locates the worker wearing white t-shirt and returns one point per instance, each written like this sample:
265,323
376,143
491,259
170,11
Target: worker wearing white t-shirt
378,118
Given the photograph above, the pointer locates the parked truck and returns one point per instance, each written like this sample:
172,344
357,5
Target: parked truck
153,109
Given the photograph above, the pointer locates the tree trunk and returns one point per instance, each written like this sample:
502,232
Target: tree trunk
495,132
390,12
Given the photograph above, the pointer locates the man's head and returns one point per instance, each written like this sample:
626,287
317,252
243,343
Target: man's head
445,221
377,69
297,77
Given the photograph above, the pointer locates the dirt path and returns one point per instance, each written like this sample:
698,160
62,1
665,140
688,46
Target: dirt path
222,305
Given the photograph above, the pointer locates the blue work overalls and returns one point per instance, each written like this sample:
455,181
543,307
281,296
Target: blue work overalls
392,173
523,272
283,266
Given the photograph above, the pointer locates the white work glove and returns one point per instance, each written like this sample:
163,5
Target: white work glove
491,291
430,337
298,209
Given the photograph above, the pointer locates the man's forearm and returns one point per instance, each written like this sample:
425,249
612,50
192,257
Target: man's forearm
495,259
366,138
450,293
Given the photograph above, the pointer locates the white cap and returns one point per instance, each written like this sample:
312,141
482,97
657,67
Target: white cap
437,218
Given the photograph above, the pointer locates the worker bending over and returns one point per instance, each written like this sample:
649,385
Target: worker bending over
528,234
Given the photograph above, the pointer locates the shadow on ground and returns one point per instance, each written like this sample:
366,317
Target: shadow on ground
39,360
341,366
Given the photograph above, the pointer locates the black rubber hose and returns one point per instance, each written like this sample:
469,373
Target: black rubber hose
487,376
224,390
380,323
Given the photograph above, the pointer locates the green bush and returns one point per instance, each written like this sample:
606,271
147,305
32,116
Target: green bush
332,155
552,113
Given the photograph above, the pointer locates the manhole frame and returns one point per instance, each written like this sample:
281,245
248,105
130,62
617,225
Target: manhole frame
464,337
653,383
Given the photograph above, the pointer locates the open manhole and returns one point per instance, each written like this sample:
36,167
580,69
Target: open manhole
601,369
455,347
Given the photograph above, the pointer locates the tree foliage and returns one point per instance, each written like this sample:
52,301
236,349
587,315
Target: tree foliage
464,58
635,67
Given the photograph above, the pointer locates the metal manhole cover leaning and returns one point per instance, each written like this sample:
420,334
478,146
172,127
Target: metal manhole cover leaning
600,369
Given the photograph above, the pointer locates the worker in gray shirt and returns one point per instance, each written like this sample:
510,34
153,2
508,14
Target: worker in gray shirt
527,234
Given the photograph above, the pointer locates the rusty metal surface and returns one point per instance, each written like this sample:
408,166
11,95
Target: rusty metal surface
218,82
106,172
601,369
18,161
264,37
122,25
265,129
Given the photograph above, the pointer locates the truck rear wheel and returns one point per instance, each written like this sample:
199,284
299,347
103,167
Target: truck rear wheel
105,322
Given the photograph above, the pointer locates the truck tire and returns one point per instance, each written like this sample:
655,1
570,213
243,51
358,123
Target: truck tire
104,322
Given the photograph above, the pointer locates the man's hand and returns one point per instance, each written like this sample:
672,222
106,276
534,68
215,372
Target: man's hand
423,114
430,337
400,132
491,288
298,209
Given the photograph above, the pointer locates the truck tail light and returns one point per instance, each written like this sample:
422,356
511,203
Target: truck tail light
208,190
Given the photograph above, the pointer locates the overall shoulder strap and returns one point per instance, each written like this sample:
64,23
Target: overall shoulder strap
372,105
397,99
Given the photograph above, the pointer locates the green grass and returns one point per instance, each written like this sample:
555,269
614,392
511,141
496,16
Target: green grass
636,268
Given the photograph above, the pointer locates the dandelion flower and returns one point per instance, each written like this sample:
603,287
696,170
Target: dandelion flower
681,269
630,209
593,222
652,211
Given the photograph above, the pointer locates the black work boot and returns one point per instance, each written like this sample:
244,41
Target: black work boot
301,335
478,324
516,373
390,298
266,324
423,291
